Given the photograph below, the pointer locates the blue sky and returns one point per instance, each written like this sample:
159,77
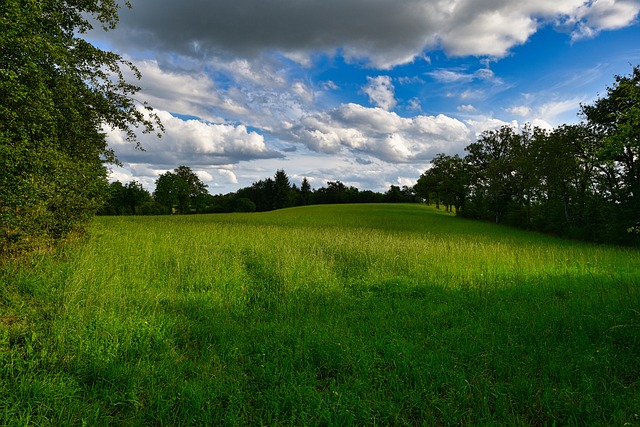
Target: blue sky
361,91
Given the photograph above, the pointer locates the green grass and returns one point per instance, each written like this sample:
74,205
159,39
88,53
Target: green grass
323,315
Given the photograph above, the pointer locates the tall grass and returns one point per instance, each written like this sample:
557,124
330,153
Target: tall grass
331,315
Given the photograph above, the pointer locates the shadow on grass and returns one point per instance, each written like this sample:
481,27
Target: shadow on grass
396,351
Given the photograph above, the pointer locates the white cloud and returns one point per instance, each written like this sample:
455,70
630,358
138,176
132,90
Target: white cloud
461,76
194,143
599,15
481,124
410,80
229,175
489,32
548,113
381,134
468,108
471,94
304,92
414,104
381,92
555,112
520,110
330,85
450,76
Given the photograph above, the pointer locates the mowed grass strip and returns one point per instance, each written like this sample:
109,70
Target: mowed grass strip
322,315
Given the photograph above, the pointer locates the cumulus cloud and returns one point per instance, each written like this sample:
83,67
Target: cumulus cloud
480,124
381,134
381,92
257,92
593,17
229,174
193,142
383,33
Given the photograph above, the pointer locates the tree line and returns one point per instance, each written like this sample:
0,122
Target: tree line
579,181
181,192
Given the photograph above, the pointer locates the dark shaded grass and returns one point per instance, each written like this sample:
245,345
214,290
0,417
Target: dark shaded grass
391,354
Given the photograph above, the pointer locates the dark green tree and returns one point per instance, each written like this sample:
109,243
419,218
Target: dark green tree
196,189
261,193
136,196
170,190
444,182
395,194
56,93
116,201
562,175
282,197
180,191
305,192
428,186
615,121
334,193
491,170
244,205
129,199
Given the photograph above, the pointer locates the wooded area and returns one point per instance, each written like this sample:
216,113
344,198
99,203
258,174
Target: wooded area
580,181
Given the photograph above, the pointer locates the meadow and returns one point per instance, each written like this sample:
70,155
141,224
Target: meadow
320,315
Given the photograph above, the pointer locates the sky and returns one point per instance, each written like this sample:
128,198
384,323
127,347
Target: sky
366,92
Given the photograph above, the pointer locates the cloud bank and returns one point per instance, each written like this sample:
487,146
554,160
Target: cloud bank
381,33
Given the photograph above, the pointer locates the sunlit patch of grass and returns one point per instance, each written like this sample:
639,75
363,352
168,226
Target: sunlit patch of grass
361,314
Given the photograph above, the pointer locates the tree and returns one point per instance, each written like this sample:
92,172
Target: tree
428,186
395,194
129,199
244,205
562,173
305,192
615,122
196,190
181,190
335,193
282,190
261,193
136,196
56,92
115,203
445,181
491,169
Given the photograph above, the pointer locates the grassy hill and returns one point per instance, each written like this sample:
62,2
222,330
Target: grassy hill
331,315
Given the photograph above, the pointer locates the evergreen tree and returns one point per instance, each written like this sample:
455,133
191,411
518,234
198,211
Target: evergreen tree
282,190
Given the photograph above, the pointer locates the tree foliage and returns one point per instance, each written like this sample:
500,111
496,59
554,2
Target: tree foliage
129,199
181,190
444,182
57,91
581,181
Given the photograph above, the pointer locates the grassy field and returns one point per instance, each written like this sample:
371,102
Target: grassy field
323,315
